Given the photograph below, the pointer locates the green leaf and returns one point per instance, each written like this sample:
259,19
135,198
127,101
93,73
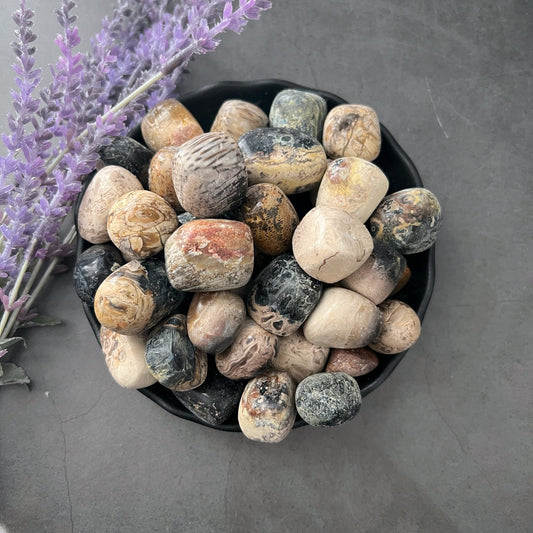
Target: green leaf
40,321
12,374
6,343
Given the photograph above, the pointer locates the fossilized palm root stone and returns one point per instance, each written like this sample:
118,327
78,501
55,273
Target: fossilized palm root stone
209,175
210,255
139,224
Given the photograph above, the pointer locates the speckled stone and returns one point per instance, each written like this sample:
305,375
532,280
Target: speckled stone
214,318
135,297
301,110
215,400
408,220
352,130
139,224
378,275
210,255
92,267
353,184
282,296
236,117
400,330
329,243
271,217
251,353
288,158
343,319
209,175
299,357
124,358
104,189
328,399
169,123
356,362
266,410
127,153
172,358
160,176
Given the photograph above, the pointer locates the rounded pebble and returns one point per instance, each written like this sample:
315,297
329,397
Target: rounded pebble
355,362
160,176
236,117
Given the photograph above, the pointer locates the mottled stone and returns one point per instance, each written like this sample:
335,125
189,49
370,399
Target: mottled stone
329,244
301,110
124,357
353,184
160,176
403,281
139,224
352,130
127,153
236,117
169,123
266,410
355,362
328,399
214,318
104,189
288,158
378,275
209,175
408,220
400,330
185,217
343,319
215,400
282,296
251,353
210,255
299,357
271,217
93,266
172,358
135,297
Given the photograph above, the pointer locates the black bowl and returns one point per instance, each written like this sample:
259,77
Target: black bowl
392,160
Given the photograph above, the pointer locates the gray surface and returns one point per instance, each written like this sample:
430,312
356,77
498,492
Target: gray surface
445,444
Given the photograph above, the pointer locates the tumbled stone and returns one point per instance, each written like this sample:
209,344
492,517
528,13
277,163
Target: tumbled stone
352,130
328,399
329,244
288,158
104,189
301,110
169,123
378,275
135,297
214,318
299,357
353,184
127,153
124,358
343,319
355,362
271,217
236,117
282,296
160,176
403,281
215,400
209,175
408,220
93,266
400,330
172,358
251,353
266,409
210,255
139,224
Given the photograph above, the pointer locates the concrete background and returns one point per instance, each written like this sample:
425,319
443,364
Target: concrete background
445,444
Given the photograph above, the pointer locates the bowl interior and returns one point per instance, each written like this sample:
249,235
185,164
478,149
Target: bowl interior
392,160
